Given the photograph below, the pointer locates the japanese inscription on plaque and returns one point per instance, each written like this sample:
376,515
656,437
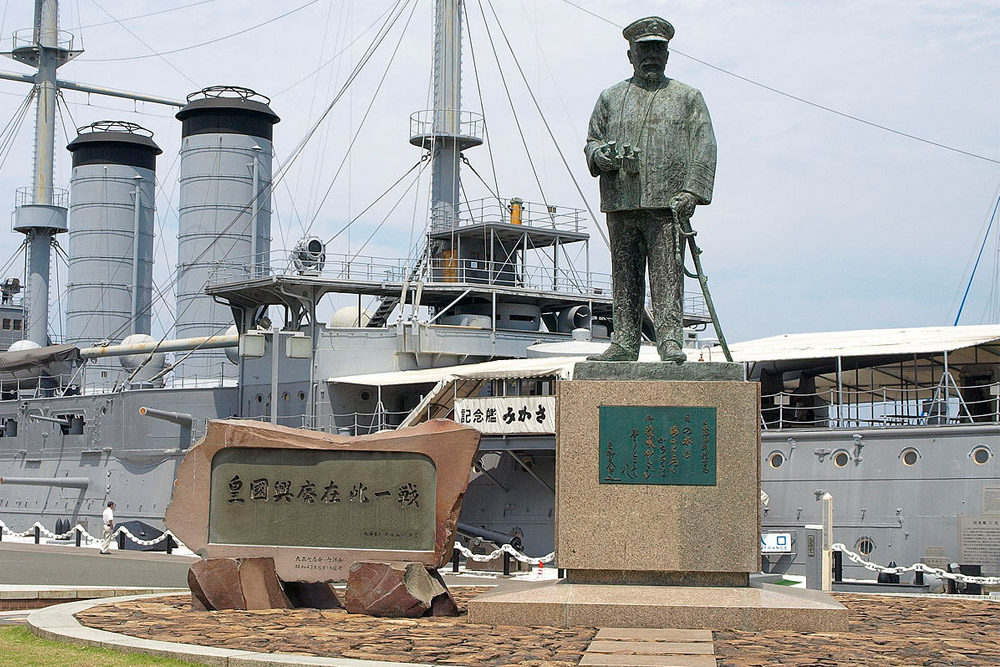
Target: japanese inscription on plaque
340,499
657,445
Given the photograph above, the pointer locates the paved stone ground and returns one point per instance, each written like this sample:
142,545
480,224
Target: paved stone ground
336,633
884,630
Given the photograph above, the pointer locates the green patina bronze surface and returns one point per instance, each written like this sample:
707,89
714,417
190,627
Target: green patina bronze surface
657,445
336,499
651,143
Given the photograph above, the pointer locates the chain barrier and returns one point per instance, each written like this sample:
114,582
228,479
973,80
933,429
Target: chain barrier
916,567
87,537
506,548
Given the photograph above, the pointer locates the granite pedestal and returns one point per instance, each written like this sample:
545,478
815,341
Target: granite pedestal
657,508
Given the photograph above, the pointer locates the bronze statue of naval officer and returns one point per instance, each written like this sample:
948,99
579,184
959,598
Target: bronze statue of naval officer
651,143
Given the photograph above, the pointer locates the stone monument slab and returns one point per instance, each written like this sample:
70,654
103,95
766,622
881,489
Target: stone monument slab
317,503
666,474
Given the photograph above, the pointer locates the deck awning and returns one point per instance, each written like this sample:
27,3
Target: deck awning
862,343
561,367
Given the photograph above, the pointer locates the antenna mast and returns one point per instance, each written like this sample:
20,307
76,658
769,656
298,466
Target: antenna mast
40,211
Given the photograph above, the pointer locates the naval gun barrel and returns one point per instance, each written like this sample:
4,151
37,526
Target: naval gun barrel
176,345
182,418
55,420
491,535
67,482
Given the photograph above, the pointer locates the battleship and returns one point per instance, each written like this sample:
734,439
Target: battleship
491,310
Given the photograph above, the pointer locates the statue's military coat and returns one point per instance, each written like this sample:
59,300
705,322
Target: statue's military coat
671,127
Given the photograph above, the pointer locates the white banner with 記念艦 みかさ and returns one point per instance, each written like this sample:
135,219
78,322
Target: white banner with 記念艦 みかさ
508,414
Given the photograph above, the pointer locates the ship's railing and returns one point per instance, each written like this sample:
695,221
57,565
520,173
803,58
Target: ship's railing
517,212
347,423
26,38
28,195
432,123
883,407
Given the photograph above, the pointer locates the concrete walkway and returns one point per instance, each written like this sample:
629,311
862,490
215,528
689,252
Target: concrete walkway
58,623
41,566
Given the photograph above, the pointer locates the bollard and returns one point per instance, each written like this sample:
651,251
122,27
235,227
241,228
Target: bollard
170,545
561,572
121,541
79,535
838,566
506,564
38,535
919,578
1,533
454,560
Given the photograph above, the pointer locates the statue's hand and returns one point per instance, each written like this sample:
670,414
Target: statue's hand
682,204
603,160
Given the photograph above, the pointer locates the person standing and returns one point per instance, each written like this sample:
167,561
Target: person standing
651,143
108,523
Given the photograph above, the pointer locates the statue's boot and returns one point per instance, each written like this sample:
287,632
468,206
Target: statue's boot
671,351
615,352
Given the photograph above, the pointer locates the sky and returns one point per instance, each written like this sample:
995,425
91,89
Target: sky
819,222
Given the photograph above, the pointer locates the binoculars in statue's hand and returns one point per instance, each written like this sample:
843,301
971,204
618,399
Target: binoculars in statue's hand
627,160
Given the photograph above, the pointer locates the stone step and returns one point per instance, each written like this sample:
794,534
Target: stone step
654,634
650,647
615,660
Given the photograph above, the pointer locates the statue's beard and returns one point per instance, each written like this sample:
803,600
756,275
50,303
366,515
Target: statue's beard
650,72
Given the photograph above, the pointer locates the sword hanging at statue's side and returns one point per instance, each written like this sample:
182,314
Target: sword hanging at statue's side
684,232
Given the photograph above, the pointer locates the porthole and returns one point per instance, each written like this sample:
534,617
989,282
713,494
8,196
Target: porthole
841,459
260,399
365,395
776,459
909,457
302,395
865,545
285,396
981,454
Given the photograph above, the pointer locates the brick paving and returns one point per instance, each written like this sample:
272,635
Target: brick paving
440,640
884,630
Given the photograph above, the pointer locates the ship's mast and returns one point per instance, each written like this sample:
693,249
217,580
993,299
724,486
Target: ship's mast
445,176
40,211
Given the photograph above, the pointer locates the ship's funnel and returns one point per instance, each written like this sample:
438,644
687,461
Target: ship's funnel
112,196
224,222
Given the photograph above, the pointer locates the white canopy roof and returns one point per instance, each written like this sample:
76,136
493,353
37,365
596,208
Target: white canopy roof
561,367
861,343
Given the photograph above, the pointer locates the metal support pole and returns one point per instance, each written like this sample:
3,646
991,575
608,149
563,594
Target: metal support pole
79,536
274,374
506,564
827,565
255,208
38,534
170,545
135,256
838,566
531,472
455,553
36,306
840,390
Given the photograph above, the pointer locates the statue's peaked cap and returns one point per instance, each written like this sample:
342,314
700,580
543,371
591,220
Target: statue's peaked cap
649,29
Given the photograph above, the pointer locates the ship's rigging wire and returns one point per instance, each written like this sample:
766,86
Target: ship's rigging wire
482,109
385,192
375,231
545,121
803,100
371,103
193,46
513,107
9,132
138,16
975,266
284,168
154,53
